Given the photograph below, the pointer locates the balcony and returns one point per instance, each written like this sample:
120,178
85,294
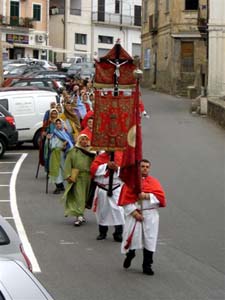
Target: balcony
116,19
16,21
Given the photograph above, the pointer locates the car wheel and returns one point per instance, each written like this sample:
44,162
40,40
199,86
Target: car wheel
2,147
36,140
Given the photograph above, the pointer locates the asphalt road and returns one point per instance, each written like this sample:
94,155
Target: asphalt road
188,156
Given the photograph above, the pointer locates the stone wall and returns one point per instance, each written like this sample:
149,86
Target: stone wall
216,111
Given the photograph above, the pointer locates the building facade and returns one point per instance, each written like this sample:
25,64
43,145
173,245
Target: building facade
24,28
174,45
216,65
90,28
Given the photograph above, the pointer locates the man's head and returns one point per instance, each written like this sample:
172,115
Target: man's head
52,105
145,167
90,123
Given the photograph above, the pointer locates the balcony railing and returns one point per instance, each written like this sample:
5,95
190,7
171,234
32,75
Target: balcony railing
16,21
116,19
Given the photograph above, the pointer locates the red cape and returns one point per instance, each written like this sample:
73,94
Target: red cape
103,159
149,185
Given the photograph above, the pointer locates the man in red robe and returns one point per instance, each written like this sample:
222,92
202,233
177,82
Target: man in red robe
108,213
142,218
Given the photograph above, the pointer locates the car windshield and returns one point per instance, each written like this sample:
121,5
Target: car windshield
17,71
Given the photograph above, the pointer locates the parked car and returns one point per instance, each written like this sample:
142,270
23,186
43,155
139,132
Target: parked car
47,65
70,61
87,73
28,106
18,283
37,82
75,69
50,74
10,244
22,70
8,132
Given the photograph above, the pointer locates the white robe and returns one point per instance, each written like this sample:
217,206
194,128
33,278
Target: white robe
146,232
108,213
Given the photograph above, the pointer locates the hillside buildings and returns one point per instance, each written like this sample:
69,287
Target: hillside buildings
90,28
174,45
24,26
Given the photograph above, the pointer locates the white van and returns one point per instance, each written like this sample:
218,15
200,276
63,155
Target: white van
70,61
28,107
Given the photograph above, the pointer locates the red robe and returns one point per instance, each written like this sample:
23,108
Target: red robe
105,158
149,185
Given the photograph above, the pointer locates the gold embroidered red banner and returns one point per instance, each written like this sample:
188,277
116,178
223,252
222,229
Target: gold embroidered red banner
113,118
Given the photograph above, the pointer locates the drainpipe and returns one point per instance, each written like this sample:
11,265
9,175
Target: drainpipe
65,27
47,28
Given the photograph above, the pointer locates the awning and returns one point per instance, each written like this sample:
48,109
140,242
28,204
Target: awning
40,47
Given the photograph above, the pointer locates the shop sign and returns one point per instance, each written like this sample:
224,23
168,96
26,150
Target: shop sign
17,38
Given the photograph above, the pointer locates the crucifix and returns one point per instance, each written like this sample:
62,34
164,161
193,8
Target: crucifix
117,62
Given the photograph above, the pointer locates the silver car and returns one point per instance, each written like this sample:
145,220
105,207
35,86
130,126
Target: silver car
18,283
10,244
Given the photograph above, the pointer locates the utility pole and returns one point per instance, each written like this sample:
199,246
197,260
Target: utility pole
1,58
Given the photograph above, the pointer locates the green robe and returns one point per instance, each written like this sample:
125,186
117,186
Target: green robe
76,194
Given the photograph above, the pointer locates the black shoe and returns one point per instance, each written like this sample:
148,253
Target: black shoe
56,191
128,259
118,237
148,271
101,237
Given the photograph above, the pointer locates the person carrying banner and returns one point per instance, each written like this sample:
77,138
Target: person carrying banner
108,213
142,218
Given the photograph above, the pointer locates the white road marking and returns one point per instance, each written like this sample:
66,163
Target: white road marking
15,212
12,153
8,218
8,162
4,200
2,185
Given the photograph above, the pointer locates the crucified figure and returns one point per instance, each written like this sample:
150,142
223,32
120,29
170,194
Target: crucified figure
117,65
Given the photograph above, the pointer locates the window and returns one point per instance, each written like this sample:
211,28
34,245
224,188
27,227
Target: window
75,7
5,103
191,4
137,15
145,11
187,56
101,10
4,239
117,6
167,6
14,13
80,38
37,12
147,58
105,39
14,8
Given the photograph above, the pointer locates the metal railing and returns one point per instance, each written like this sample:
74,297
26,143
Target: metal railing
116,19
16,21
